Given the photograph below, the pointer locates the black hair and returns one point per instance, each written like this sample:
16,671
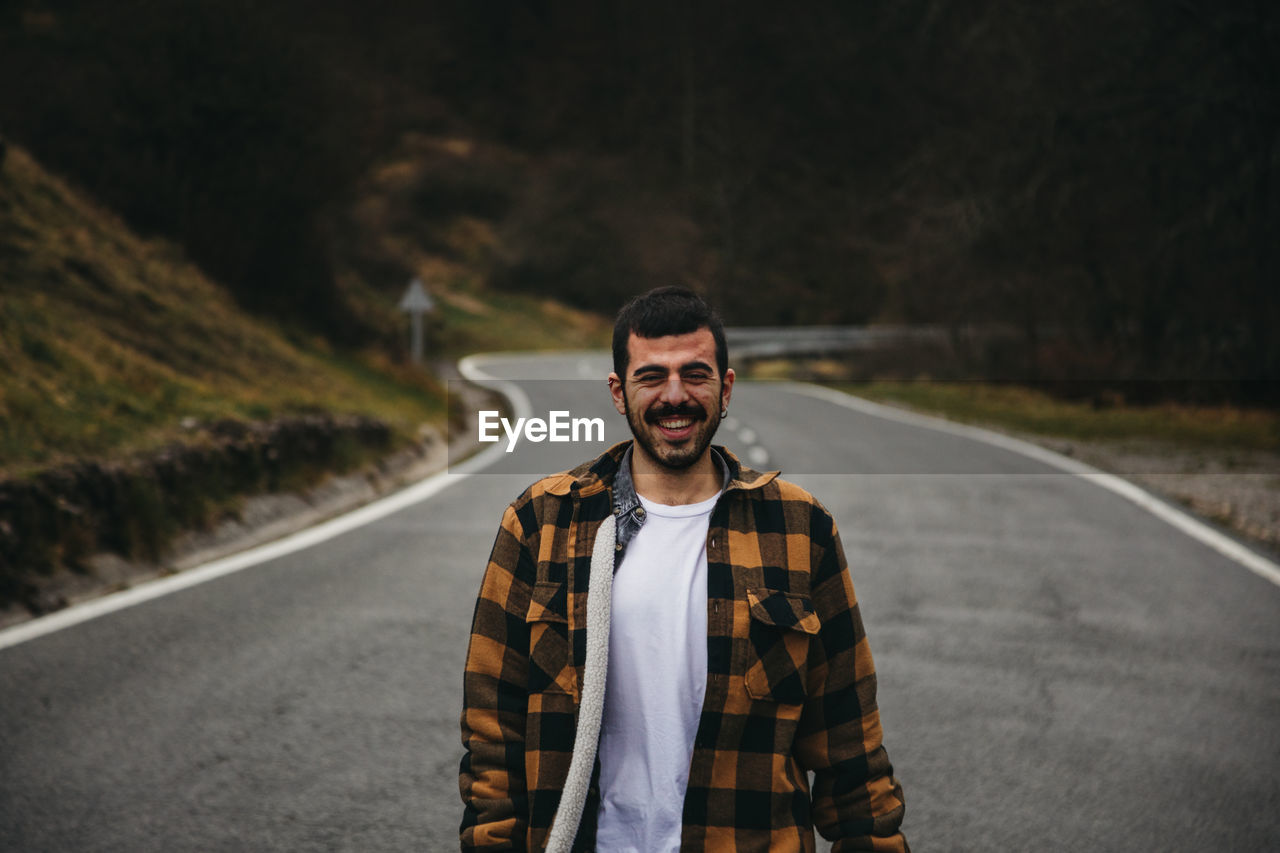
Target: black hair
666,311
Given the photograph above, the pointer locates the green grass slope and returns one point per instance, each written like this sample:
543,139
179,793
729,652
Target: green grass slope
109,342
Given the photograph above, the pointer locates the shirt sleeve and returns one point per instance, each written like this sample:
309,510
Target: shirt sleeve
492,775
857,802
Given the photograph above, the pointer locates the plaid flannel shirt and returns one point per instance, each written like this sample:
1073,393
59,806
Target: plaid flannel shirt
791,686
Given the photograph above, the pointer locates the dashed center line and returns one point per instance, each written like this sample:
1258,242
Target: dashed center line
753,452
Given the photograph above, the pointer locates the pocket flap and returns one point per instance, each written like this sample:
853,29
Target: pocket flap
548,602
783,610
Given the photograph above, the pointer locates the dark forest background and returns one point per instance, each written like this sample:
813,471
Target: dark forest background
1096,177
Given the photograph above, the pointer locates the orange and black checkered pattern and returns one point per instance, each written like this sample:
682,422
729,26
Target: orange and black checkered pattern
791,686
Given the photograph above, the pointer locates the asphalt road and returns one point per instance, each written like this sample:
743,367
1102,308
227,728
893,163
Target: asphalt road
1058,669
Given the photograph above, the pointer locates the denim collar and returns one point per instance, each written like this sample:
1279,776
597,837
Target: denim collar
626,503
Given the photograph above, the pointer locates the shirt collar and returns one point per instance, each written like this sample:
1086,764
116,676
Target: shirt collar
626,503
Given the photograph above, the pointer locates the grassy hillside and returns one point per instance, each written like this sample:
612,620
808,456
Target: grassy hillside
438,207
111,343
138,400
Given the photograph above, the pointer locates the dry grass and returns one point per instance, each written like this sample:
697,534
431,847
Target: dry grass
431,210
110,342
1028,410
1019,408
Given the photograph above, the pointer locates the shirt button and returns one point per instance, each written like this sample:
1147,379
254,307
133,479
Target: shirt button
713,541
639,512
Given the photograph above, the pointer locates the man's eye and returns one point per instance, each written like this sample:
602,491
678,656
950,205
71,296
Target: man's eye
697,377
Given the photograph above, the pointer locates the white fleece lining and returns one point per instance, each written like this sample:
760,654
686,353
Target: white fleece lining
595,670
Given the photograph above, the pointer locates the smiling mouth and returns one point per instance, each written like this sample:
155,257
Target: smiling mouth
674,424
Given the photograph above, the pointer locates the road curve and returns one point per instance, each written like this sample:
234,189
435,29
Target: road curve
1059,669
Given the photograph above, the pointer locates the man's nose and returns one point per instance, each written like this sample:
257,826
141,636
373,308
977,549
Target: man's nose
674,391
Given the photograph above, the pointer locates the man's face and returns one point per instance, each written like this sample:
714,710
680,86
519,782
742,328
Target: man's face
672,396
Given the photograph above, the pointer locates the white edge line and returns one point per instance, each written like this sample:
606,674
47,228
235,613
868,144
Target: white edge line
416,493
1193,527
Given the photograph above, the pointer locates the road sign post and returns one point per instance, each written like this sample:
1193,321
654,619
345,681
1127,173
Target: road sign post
416,302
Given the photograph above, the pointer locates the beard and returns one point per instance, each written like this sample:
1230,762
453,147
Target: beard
670,455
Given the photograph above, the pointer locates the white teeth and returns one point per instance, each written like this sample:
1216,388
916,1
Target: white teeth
679,423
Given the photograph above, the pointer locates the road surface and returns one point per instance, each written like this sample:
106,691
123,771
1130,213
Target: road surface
1059,670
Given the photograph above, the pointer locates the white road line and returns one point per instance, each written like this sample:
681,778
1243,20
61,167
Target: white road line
111,603
1193,527
308,538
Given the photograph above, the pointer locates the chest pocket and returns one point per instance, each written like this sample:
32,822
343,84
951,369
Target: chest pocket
550,658
782,626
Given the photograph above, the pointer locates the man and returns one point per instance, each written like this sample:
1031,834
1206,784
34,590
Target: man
666,643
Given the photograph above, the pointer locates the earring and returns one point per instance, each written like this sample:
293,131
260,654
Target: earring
724,412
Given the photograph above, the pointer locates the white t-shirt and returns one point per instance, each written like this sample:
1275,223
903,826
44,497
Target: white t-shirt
656,681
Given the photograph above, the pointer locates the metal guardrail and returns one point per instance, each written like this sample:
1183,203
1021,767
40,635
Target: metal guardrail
765,341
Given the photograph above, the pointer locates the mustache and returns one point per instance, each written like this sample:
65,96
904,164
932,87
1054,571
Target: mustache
684,410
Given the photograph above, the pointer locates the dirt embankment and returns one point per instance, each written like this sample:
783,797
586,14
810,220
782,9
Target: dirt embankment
56,524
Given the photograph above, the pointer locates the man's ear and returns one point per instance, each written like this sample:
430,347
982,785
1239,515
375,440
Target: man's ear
726,388
616,389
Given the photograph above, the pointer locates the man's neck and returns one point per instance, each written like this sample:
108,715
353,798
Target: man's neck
675,486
